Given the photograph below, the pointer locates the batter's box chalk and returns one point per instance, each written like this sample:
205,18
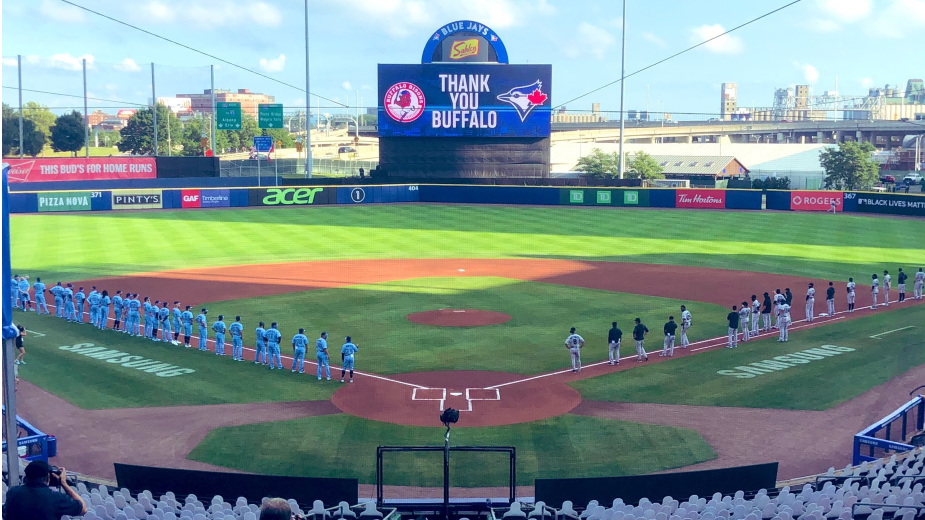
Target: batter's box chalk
483,394
428,394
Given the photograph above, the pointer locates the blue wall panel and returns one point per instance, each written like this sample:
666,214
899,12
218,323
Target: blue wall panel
490,194
23,203
743,199
850,201
101,203
778,200
662,198
172,199
239,198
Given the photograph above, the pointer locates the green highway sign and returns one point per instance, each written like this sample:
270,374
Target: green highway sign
270,115
228,116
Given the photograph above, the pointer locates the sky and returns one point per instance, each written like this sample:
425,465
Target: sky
863,43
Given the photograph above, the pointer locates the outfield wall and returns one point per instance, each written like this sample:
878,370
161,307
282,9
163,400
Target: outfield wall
232,197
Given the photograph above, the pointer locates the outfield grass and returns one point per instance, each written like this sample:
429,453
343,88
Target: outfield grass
532,342
345,446
79,246
95,383
817,385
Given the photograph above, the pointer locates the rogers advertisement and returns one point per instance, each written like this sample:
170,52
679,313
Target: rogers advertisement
92,169
816,200
715,199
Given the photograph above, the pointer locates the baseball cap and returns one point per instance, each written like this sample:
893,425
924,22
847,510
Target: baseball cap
37,470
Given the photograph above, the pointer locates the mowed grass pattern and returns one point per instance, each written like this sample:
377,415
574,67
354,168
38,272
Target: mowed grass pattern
78,246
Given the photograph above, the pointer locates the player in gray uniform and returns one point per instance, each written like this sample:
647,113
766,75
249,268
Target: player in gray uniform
874,290
574,343
745,314
918,285
810,302
783,319
779,299
686,320
887,279
756,311
850,289
668,345
830,299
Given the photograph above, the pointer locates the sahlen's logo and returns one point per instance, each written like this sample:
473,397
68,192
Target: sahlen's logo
524,99
404,102
464,49
290,196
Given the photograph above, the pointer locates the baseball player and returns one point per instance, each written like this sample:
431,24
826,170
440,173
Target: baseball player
273,336
850,288
14,290
93,299
149,323
164,317
134,317
125,309
102,317
204,330
219,328
80,298
779,299
237,339
733,318
788,296
614,336
186,317
117,303
755,312
810,302
69,303
783,318
25,300
346,355
321,354
58,292
299,343
918,285
40,297
639,336
669,330
766,313
574,343
155,317
887,279
261,344
685,325
175,315
745,314
874,290
900,284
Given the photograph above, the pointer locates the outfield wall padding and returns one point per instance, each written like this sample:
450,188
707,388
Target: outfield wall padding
489,194
743,199
662,198
554,491
890,203
779,200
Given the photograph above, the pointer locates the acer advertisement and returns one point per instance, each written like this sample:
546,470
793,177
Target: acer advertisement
816,200
706,198
81,169
291,196
464,100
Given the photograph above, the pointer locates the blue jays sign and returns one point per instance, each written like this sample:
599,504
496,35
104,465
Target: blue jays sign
465,100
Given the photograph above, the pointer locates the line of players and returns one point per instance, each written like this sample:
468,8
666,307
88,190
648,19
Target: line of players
127,314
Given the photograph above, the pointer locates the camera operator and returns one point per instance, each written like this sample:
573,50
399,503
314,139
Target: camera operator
276,509
35,500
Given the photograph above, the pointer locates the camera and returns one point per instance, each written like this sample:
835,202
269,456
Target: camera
56,477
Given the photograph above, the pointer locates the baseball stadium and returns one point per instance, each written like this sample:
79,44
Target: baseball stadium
426,343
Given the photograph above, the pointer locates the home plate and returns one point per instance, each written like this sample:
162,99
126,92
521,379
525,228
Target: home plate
456,394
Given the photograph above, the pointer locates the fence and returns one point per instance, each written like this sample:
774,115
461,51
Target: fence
295,168
879,447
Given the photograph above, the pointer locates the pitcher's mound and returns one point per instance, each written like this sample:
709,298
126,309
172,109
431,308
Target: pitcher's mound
459,318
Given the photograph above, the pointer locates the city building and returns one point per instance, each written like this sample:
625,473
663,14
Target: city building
700,169
563,116
729,101
125,114
202,103
98,116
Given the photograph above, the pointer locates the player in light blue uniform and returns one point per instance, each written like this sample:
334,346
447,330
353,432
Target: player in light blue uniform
219,328
175,316
134,316
117,303
149,323
40,297
69,303
164,317
237,339
93,299
321,353
261,344
155,317
187,318
14,290
346,355
102,315
299,342
24,299
79,298
273,337
58,292
203,329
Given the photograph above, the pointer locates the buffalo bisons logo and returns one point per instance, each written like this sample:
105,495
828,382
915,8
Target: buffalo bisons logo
524,99
404,102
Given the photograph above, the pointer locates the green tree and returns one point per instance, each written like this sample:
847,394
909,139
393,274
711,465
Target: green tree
280,134
110,138
192,135
10,129
41,116
849,167
138,135
643,166
67,134
600,165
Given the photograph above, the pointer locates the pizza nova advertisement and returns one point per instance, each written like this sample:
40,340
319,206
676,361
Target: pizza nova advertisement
464,100
705,198
816,200
81,169
64,201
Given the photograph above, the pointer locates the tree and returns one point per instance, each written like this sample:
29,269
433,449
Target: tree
280,134
41,116
67,134
10,129
33,140
772,183
192,136
849,167
600,165
643,166
109,138
138,135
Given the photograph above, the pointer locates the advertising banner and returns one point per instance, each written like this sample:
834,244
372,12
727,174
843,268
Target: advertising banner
292,196
64,201
889,203
704,198
603,197
215,198
816,200
464,100
136,199
92,169
190,199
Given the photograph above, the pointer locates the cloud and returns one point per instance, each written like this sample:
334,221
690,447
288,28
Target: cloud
347,85
61,12
810,73
273,64
653,39
211,13
590,40
867,82
10,62
900,19
157,12
727,44
847,11
891,19
64,61
127,65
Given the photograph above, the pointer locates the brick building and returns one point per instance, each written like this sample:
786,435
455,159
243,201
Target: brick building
249,100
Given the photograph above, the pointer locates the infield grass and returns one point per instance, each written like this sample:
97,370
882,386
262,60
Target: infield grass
345,446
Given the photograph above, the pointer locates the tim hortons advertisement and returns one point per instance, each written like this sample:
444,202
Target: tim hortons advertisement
92,169
816,200
715,199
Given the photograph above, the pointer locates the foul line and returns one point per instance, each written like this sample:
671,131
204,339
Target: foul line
877,336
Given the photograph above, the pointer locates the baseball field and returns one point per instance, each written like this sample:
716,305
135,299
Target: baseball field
468,307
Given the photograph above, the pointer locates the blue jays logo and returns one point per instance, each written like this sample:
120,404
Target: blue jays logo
524,99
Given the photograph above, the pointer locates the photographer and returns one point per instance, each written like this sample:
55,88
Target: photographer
34,500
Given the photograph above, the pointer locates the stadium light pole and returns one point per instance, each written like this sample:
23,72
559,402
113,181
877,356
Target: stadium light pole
308,106
622,89
86,116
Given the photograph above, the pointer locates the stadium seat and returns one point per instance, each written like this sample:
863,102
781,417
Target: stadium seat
567,510
515,512
318,509
371,511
